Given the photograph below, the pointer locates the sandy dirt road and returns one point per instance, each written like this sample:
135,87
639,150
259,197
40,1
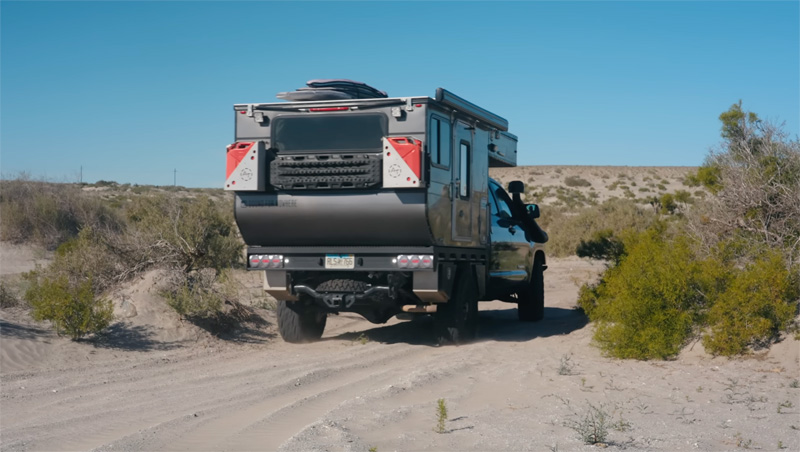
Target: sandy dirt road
519,387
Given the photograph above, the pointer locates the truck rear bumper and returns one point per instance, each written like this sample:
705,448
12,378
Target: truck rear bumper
342,301
365,258
430,271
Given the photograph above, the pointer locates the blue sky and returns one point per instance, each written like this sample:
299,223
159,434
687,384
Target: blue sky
131,91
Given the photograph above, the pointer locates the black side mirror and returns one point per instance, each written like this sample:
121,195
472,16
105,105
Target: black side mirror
516,186
533,210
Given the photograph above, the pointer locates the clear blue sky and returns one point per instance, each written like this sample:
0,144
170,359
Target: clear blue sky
131,91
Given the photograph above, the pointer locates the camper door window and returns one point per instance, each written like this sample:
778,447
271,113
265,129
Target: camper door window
463,170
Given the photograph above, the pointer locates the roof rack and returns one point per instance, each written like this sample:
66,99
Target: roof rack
333,89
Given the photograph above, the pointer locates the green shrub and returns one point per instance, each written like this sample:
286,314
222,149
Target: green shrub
708,176
72,308
668,204
683,197
576,181
661,292
603,245
757,304
646,306
194,294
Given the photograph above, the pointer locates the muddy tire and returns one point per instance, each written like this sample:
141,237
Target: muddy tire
300,321
457,320
530,307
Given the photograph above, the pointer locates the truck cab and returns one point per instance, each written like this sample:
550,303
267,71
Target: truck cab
353,201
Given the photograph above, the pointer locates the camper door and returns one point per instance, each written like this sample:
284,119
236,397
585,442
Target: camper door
462,183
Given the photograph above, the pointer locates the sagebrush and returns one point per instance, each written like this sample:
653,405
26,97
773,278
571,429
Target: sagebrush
97,248
49,214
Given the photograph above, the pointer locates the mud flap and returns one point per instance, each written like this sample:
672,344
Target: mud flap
276,283
480,279
435,287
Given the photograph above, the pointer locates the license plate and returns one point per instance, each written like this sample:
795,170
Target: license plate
340,261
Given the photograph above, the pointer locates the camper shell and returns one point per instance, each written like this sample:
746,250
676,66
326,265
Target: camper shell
389,193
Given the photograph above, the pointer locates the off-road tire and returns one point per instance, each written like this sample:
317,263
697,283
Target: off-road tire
456,321
530,307
300,321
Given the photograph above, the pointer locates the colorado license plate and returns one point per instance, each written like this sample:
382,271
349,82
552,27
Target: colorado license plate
340,261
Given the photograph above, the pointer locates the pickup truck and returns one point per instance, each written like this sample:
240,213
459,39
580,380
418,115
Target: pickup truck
353,201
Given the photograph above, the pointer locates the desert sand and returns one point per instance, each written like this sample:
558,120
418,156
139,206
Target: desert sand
154,382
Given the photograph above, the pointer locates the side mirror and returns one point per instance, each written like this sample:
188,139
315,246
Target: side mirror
516,186
533,210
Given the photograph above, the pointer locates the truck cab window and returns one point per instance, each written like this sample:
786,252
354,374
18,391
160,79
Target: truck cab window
499,196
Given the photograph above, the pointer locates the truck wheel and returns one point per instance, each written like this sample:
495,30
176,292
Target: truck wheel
300,321
530,307
457,320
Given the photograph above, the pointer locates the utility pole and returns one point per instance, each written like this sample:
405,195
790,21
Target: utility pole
81,174
175,177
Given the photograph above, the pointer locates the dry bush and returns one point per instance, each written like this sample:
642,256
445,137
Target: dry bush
188,233
8,298
191,237
49,214
195,240
755,175
568,229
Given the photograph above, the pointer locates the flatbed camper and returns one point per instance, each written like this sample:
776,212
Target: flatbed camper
382,205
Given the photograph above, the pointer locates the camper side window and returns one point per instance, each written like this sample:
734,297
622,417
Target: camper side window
463,170
439,142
